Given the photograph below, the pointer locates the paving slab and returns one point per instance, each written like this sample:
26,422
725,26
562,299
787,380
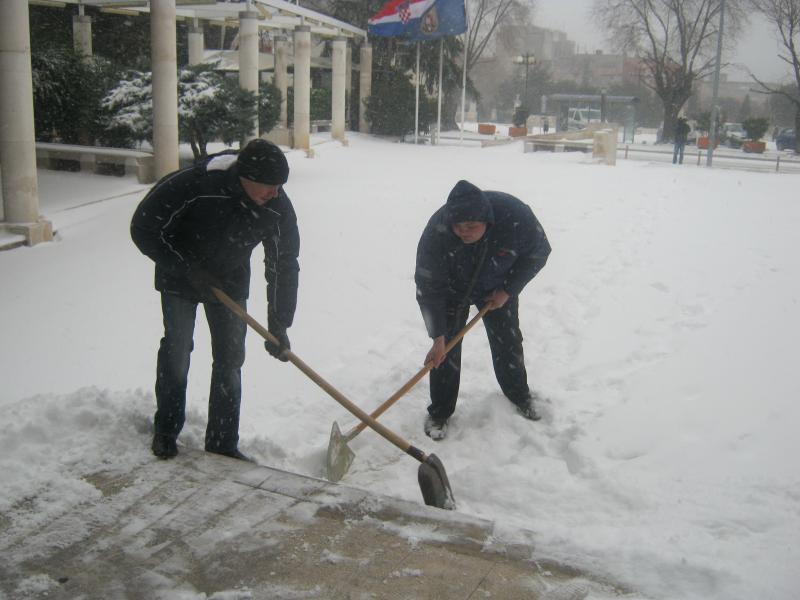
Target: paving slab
203,526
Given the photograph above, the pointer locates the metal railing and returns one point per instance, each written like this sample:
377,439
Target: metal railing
782,163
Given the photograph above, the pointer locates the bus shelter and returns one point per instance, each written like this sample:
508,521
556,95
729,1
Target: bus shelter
575,111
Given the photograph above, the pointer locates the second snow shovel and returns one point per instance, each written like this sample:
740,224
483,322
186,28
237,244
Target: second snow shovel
433,481
340,456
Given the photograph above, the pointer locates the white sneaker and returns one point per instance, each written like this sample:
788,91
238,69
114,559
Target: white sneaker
436,429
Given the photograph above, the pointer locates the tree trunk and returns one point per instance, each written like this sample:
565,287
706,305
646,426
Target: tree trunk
797,128
451,110
671,111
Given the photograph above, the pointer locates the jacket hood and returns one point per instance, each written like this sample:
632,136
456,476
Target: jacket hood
467,202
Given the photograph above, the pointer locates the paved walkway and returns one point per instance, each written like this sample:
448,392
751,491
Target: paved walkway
203,526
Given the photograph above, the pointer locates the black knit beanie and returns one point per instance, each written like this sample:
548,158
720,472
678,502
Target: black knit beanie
263,162
467,202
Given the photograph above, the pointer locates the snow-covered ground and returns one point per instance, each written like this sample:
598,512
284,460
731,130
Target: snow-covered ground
664,332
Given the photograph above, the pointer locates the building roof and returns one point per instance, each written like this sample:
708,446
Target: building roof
275,14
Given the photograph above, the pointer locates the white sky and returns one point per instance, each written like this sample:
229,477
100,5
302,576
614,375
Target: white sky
757,48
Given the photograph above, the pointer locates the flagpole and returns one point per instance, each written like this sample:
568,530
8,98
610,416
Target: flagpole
439,107
464,76
416,110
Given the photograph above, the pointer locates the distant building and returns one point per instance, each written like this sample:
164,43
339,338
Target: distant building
598,70
731,93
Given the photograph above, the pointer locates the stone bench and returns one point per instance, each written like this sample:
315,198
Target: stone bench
320,125
600,140
558,145
88,158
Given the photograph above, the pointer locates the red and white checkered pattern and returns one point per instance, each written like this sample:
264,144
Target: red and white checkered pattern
404,11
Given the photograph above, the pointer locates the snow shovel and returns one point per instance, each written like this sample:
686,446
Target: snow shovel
340,456
432,477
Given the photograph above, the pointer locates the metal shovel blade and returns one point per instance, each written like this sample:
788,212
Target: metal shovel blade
434,484
340,457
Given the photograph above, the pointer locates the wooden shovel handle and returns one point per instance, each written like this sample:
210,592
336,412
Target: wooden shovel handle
309,372
415,379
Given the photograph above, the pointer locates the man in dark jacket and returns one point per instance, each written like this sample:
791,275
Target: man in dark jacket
479,248
682,130
200,225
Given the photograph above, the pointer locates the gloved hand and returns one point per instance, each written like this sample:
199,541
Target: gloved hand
201,280
277,329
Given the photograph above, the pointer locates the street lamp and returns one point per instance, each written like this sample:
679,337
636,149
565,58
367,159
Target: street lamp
526,59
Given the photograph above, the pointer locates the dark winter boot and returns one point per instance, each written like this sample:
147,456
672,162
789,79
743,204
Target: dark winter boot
527,409
164,446
436,429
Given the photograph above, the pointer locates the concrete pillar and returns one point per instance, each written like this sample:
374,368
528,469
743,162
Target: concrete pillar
281,49
604,146
348,85
196,44
248,58
82,35
164,64
365,86
338,79
302,86
20,190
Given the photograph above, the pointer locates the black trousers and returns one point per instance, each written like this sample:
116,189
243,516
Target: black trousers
227,349
505,342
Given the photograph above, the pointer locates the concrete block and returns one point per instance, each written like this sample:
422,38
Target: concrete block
605,146
35,233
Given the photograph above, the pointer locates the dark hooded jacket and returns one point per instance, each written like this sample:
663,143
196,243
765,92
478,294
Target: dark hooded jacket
511,252
202,216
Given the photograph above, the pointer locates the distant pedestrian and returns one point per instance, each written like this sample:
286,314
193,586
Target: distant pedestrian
546,126
681,134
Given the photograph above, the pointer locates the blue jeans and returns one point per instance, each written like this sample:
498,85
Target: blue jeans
505,343
677,153
227,349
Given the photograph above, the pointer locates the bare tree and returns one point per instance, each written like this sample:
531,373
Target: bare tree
675,39
484,17
785,16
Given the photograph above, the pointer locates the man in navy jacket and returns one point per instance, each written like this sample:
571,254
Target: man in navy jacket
479,248
200,225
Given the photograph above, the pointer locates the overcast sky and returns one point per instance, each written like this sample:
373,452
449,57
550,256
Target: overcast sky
756,50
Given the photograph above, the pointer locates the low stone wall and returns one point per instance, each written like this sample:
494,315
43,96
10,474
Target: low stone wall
96,159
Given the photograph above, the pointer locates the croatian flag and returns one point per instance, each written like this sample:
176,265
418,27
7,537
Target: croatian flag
416,20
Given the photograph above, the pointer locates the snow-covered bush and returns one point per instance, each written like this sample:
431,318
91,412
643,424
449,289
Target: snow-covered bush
67,95
211,107
390,108
129,107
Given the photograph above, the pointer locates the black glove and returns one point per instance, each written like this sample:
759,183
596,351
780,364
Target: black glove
277,329
202,281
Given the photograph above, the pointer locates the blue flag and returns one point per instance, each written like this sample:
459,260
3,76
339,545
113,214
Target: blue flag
419,20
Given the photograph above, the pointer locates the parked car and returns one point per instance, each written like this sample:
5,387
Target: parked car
732,135
786,140
579,118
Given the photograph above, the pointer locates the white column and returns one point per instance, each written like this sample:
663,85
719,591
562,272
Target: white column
338,79
248,58
82,35
281,49
365,86
164,64
17,143
302,86
348,85
196,43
